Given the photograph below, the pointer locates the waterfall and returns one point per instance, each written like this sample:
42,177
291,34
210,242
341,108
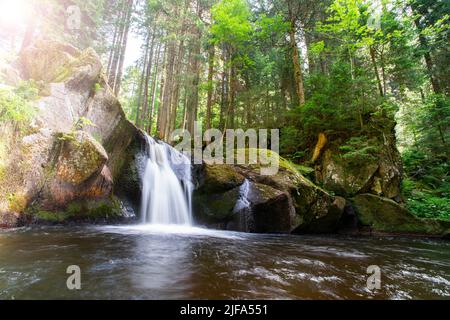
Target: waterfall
167,186
243,202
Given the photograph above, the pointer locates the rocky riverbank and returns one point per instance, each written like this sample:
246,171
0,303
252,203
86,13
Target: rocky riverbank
78,158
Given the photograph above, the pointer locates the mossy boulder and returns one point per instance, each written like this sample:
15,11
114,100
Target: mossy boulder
316,210
215,209
45,60
49,62
342,177
379,174
220,178
382,215
269,211
80,157
282,203
74,147
109,209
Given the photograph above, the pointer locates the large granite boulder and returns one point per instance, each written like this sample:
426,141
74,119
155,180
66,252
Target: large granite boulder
379,174
69,156
382,215
240,198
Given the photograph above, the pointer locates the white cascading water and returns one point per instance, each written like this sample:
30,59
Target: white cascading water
167,186
243,202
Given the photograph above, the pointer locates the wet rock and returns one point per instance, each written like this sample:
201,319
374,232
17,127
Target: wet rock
269,211
216,209
382,215
283,203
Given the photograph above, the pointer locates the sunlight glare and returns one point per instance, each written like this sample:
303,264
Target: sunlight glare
13,13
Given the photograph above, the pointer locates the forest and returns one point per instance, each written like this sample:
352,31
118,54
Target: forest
321,71
315,69
351,102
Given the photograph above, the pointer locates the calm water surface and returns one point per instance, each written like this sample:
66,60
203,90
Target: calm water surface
143,262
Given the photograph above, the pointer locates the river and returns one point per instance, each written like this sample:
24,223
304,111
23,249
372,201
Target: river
151,262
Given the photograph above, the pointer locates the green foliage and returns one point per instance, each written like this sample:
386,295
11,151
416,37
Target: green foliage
78,125
427,187
231,22
16,103
82,123
17,202
425,202
97,87
335,107
360,149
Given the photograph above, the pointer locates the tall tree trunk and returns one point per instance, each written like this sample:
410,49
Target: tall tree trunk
112,49
383,71
29,32
161,91
192,101
153,91
123,48
211,56
375,68
147,82
167,95
298,73
425,47
224,91
230,123
116,48
141,82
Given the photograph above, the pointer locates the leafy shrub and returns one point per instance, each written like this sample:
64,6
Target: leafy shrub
360,149
15,103
425,202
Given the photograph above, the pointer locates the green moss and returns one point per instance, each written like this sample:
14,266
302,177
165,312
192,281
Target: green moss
269,154
48,216
62,73
97,87
2,171
17,202
219,178
3,160
91,210
385,215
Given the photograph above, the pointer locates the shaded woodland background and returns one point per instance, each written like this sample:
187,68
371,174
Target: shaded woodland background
337,69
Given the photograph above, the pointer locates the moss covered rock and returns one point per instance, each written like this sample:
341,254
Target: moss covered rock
80,157
74,147
46,60
220,178
215,209
109,209
282,203
386,216
269,211
379,174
